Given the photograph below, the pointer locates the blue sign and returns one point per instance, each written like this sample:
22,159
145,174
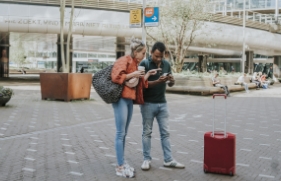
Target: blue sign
151,16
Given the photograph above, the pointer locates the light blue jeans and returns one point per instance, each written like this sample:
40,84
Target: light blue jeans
123,110
245,86
159,111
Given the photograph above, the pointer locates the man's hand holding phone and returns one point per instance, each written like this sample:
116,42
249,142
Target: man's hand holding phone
167,74
163,79
171,80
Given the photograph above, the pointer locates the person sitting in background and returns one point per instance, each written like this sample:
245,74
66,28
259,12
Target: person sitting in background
256,80
222,71
216,83
264,80
241,81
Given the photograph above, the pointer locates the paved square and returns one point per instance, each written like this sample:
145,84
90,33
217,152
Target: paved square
58,141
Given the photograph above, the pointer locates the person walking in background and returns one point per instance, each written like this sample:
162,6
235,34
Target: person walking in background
4,61
270,72
124,69
241,81
232,69
216,83
155,106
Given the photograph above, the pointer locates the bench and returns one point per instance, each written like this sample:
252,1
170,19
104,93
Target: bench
204,86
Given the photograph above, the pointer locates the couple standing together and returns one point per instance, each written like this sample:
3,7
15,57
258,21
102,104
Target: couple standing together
150,94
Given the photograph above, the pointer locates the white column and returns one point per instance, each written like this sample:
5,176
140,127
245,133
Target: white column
143,27
225,7
243,51
276,10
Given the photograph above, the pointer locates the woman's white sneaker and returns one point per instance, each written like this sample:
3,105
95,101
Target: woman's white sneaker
174,164
146,165
124,172
126,165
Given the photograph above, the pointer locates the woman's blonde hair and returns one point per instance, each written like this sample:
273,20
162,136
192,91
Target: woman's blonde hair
136,45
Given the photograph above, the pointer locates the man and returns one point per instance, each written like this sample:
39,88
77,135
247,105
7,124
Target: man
216,83
155,106
241,81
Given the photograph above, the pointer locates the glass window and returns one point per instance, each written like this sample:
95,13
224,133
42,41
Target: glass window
39,54
101,55
91,55
46,54
111,56
31,53
54,54
82,55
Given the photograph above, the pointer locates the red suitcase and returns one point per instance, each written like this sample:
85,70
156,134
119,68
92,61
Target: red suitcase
219,150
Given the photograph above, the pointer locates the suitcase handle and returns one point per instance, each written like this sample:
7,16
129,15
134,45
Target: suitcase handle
223,95
219,133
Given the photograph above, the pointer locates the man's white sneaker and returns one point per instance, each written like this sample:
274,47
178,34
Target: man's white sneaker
146,165
124,172
174,164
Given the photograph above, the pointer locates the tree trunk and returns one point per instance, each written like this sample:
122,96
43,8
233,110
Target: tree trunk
69,36
62,9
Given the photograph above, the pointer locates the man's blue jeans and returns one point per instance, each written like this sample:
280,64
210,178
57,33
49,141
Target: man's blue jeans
123,110
159,111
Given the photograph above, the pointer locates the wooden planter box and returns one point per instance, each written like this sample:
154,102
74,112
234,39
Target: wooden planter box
65,86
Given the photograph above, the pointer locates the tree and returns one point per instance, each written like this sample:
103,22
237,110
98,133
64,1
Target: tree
65,60
179,22
19,53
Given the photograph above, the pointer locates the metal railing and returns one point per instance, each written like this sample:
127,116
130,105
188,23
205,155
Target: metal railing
255,16
235,5
234,8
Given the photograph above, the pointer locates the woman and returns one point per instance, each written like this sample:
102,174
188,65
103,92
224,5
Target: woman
124,69
264,81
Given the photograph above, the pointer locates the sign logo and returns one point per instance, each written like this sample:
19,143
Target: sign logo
148,12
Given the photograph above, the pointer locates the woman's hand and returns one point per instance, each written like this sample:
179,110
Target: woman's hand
153,71
137,74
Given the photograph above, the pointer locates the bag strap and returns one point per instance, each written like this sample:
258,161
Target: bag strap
146,64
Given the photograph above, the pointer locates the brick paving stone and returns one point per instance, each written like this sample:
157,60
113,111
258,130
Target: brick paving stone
53,128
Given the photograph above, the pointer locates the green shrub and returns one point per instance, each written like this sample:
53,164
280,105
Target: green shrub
6,92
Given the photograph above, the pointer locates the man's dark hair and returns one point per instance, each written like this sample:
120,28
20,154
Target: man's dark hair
158,46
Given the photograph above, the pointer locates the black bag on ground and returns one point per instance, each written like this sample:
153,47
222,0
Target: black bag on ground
109,91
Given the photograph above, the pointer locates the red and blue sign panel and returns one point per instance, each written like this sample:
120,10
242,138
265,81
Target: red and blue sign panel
151,16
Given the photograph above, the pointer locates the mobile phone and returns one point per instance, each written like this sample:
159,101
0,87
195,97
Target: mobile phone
167,74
